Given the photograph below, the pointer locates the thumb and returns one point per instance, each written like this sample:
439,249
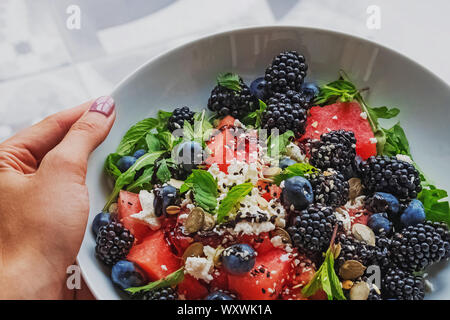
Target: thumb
70,156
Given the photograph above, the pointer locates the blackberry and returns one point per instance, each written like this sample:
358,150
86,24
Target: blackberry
286,72
330,189
402,285
381,255
178,172
416,247
179,115
374,295
285,114
388,174
114,241
167,293
352,249
311,229
336,150
235,100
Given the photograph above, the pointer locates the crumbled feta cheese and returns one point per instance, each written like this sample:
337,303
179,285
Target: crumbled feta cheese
209,252
294,152
199,268
335,118
277,241
285,257
315,124
245,227
147,215
164,267
363,115
404,157
238,173
373,140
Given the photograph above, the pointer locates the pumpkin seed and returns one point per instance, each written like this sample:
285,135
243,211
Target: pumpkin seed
337,250
194,250
283,234
363,233
271,172
209,222
360,291
171,210
217,259
195,220
351,269
113,208
355,188
377,290
347,284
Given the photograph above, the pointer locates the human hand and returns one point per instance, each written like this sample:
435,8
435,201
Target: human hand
44,202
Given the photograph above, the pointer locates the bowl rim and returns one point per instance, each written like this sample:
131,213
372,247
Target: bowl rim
90,282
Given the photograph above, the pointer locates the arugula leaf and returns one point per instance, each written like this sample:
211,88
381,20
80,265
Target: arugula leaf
163,174
229,80
204,187
396,141
276,144
327,279
127,177
297,169
339,90
254,118
110,165
134,134
233,197
171,280
435,209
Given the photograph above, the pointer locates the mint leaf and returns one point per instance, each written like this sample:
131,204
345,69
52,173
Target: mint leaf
435,209
171,280
204,187
276,144
163,174
254,118
110,165
152,142
144,181
134,134
229,80
297,169
383,112
233,197
396,141
163,120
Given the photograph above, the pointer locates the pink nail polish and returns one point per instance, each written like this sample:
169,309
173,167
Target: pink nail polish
103,105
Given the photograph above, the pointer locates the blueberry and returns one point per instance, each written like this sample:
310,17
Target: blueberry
413,214
297,191
310,90
238,259
286,162
379,222
126,274
125,163
258,87
190,154
218,295
164,197
100,220
384,202
139,153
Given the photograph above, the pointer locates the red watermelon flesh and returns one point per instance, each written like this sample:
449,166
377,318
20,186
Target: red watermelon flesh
129,204
191,288
345,116
154,256
266,280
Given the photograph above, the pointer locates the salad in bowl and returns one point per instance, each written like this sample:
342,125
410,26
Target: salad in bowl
280,189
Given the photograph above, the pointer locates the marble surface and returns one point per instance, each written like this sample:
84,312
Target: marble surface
45,66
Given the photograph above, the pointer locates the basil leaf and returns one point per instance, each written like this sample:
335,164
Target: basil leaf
297,169
110,165
229,80
127,177
276,144
134,134
204,187
233,197
171,280
163,174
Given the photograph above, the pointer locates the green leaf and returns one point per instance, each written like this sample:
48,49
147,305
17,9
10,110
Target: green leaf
396,141
127,177
229,80
134,134
163,120
204,187
276,144
233,197
339,90
325,278
297,169
163,174
254,118
383,112
435,209
110,165
170,281
152,142
144,181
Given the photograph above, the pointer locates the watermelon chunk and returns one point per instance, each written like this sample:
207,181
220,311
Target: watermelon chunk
191,288
154,256
265,281
129,204
345,116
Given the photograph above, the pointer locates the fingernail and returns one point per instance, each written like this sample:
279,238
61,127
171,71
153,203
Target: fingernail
104,105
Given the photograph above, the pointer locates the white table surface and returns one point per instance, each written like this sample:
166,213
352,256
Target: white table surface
45,67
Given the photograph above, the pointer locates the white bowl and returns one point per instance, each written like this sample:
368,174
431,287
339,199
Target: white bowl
186,75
